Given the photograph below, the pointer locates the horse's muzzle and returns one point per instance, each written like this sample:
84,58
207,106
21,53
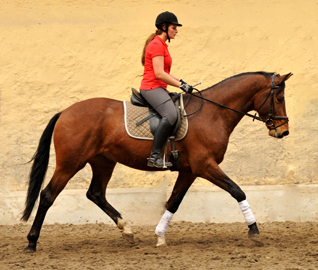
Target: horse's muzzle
279,133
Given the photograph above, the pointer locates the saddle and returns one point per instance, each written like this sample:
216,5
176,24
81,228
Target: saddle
137,125
154,117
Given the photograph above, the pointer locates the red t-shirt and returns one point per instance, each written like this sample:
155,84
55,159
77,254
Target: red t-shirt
155,48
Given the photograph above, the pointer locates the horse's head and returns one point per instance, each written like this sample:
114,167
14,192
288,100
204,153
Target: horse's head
271,106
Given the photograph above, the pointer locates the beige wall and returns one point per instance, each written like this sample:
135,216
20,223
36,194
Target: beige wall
53,55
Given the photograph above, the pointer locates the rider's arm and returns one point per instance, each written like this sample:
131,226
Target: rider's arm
174,77
158,67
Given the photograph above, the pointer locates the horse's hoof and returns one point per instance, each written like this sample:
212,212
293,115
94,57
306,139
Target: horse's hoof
127,233
161,241
129,237
255,237
29,249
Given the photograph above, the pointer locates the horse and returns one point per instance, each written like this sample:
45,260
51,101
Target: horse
93,131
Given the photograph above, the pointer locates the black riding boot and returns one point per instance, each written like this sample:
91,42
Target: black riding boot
161,136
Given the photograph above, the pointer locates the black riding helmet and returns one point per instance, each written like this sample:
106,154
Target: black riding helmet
166,18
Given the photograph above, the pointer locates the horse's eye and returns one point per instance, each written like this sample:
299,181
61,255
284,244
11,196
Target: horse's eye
280,100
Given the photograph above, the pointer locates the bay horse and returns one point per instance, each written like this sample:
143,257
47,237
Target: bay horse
93,131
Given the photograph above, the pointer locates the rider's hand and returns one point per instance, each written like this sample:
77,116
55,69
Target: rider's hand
186,87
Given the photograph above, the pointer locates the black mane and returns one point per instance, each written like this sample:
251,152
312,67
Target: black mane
265,74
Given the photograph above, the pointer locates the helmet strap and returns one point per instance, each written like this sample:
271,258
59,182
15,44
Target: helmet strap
167,26
165,30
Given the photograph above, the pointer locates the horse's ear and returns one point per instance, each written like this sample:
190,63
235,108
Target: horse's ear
280,79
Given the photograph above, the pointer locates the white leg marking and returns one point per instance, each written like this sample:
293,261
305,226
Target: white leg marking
123,225
161,241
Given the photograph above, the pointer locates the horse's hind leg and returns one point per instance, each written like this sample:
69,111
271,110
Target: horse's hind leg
102,172
47,197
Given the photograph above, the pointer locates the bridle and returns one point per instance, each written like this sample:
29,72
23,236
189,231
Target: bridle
271,114
270,121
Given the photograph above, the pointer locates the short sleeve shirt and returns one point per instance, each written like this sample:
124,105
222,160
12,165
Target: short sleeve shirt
155,48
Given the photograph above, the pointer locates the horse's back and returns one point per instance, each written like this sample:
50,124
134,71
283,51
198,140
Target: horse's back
92,109
93,106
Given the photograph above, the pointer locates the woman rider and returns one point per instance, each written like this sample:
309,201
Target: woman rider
157,62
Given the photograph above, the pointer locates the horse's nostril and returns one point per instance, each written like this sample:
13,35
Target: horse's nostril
285,133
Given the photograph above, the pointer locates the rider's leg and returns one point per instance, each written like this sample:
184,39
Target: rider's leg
160,138
160,100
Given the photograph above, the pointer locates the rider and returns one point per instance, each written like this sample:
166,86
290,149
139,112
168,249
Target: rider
157,62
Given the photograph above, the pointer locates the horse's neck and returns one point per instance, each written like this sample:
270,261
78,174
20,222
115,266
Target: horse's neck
238,94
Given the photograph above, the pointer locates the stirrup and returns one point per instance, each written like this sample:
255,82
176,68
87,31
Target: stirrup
158,162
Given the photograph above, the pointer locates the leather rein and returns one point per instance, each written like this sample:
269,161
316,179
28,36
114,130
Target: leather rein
270,121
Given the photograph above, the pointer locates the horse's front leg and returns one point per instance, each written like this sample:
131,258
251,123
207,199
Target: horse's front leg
184,181
214,174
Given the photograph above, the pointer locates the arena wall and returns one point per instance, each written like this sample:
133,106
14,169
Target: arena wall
56,53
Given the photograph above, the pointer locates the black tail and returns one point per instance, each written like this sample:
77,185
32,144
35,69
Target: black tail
39,167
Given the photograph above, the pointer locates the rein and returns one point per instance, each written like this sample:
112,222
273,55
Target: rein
271,114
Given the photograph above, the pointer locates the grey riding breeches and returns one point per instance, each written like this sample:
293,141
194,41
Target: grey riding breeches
160,100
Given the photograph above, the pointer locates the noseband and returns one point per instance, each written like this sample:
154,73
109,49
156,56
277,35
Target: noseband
270,121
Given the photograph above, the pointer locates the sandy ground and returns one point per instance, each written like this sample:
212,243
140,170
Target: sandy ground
287,245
